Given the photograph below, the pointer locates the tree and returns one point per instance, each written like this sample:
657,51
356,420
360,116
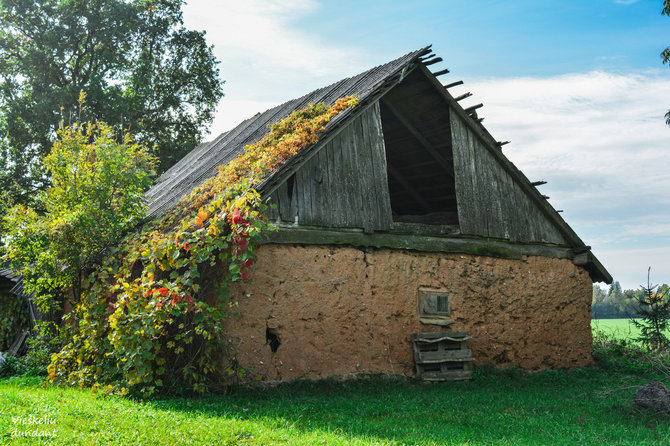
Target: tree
654,309
143,72
665,55
95,197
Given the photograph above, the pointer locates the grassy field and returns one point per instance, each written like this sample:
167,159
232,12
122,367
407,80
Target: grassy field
619,328
500,408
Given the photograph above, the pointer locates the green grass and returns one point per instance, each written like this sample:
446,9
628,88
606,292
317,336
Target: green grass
500,408
617,328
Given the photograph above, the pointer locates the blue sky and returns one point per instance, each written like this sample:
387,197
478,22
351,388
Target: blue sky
577,86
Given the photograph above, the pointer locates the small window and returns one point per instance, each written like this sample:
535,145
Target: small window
434,307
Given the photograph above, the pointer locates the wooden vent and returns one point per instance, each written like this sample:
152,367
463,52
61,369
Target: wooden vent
434,307
442,356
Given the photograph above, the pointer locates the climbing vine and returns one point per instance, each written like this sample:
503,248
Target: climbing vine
145,320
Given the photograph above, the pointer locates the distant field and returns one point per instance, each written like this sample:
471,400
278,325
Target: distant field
620,328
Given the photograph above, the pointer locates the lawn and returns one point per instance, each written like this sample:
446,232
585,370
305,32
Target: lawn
618,328
501,408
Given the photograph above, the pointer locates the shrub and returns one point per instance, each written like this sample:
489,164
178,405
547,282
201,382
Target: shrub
623,355
653,306
14,316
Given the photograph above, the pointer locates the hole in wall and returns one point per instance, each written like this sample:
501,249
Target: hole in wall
272,339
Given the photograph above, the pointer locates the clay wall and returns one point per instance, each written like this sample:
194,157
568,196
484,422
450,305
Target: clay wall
342,310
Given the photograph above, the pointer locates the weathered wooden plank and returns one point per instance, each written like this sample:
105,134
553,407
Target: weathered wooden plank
492,171
330,181
319,195
451,375
358,210
338,192
462,183
283,203
325,183
304,203
483,189
292,198
366,175
512,222
436,336
490,201
379,169
272,213
479,224
465,245
445,355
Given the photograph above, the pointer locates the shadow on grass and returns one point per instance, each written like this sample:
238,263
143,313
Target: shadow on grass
501,407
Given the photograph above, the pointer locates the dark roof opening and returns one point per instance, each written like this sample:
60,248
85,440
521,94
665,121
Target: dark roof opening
417,136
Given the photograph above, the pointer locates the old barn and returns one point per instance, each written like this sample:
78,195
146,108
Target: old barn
406,217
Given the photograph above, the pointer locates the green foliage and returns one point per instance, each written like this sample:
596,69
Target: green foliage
13,317
95,197
615,353
46,339
654,309
144,72
613,303
147,319
13,366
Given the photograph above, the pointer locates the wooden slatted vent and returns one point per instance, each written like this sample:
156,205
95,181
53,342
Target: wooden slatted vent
442,356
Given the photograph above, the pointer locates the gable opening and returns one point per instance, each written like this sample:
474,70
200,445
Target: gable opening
417,139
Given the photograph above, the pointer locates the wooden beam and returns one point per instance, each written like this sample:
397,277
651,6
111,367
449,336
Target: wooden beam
453,84
502,143
473,108
427,62
406,238
397,176
463,96
538,183
446,166
441,72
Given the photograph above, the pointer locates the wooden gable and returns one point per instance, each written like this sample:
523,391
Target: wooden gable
415,156
343,184
491,201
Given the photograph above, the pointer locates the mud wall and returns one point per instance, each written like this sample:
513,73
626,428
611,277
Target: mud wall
341,310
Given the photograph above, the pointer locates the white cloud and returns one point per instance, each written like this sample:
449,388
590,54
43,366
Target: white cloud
629,266
265,58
